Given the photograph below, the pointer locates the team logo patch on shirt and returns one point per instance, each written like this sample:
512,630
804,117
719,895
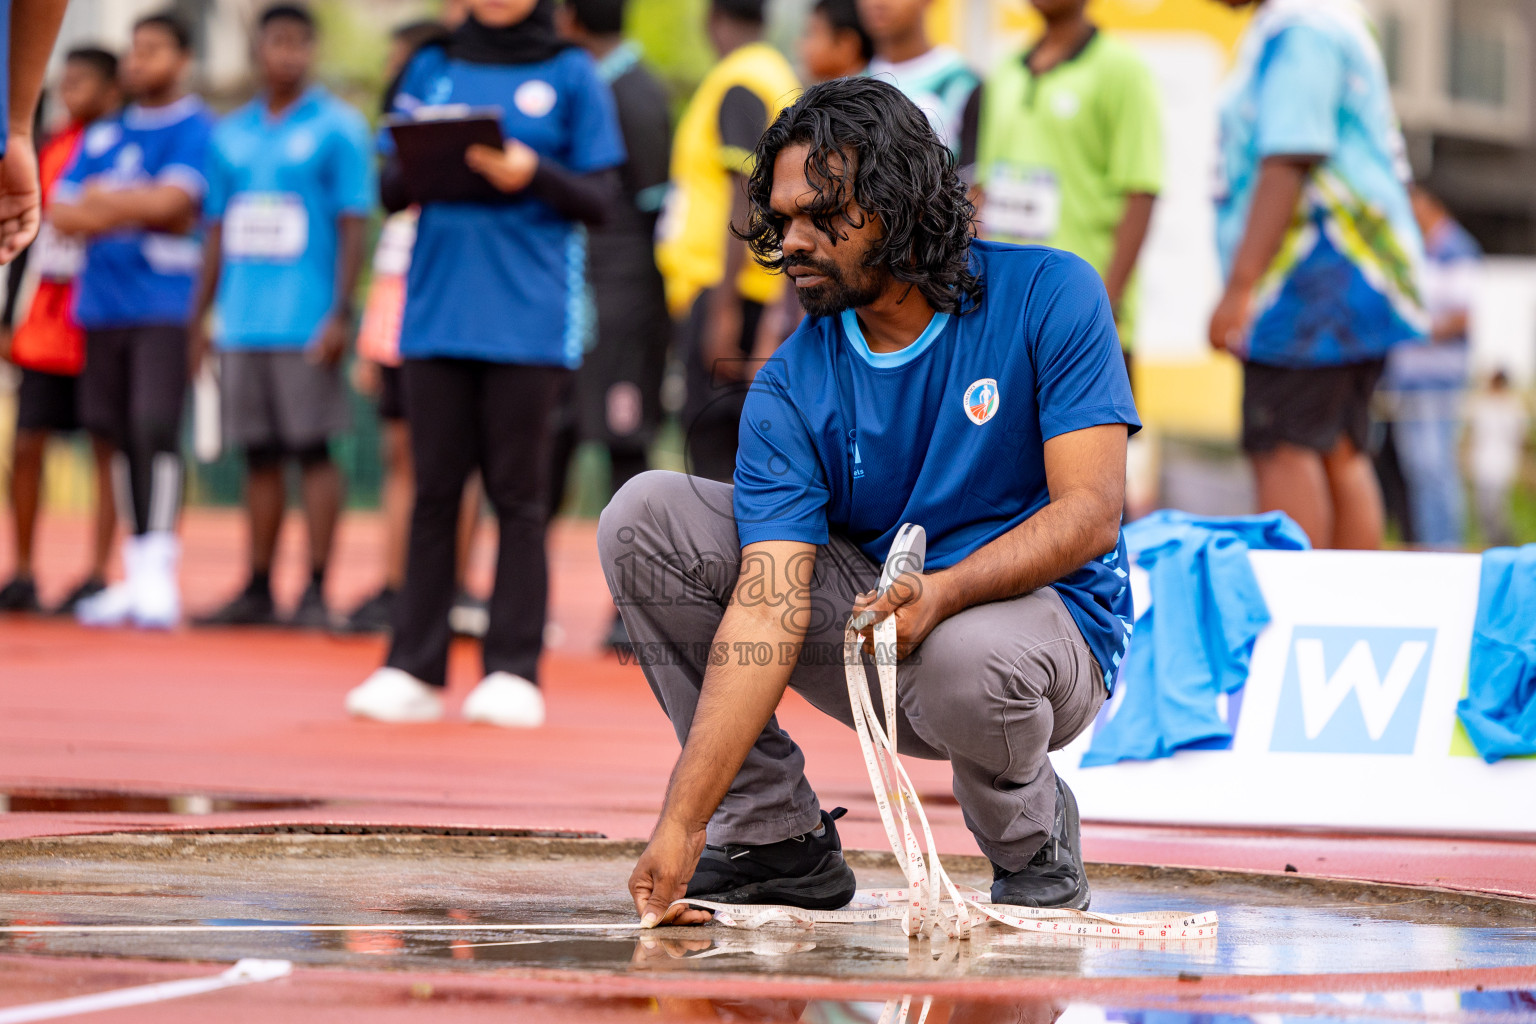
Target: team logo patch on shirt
981,400
535,97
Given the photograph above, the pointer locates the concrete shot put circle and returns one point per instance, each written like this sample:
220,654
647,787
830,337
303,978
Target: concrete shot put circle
1288,946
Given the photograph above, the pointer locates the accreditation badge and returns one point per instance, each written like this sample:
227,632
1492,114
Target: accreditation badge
1022,205
268,226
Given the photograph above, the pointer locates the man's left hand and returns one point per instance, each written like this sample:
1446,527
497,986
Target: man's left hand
919,603
1231,320
21,197
330,344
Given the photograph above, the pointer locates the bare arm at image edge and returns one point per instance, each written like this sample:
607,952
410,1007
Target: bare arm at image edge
735,704
34,27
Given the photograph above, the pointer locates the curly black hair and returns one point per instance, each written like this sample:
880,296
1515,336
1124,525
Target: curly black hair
871,144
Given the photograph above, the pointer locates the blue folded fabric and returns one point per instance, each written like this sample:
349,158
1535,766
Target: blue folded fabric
1195,641
1499,710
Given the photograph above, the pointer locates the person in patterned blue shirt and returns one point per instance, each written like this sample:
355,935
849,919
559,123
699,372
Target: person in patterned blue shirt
974,389
1321,254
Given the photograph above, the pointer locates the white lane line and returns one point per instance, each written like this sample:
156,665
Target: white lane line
244,972
162,929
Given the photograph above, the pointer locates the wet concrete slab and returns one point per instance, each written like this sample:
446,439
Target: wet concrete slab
433,902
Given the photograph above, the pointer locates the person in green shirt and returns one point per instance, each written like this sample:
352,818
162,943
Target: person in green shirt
1069,150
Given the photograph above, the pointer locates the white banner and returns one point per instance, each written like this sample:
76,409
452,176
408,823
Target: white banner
1348,719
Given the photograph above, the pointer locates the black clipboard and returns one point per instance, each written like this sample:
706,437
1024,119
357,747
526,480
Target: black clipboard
431,155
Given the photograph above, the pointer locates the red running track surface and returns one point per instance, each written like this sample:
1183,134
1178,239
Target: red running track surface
259,713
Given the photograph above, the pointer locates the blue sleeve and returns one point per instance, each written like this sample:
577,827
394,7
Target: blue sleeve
596,144
220,186
1080,378
407,96
781,489
353,185
1301,85
186,162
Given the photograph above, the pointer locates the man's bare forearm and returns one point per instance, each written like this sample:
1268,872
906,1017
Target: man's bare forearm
156,207
1081,523
76,218
34,26
1275,199
1130,234
737,700
213,268
349,262
1054,542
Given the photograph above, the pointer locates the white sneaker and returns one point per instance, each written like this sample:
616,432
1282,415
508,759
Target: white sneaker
156,592
114,606
394,695
111,607
506,700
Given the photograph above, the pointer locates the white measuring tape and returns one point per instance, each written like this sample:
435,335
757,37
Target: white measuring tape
931,901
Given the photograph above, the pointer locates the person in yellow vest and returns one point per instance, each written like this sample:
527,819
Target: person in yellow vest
1070,150
713,288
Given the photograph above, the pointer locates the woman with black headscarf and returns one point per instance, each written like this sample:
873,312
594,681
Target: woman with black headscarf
496,318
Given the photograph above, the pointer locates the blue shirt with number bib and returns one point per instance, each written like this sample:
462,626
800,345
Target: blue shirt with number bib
506,282
278,184
947,433
135,277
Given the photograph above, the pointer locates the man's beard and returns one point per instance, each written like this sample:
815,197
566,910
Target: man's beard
837,293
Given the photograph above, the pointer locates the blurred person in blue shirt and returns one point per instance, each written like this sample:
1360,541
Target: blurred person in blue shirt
134,194
290,187
1322,258
496,317
1423,387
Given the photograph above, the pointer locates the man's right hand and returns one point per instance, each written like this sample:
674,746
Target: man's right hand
661,876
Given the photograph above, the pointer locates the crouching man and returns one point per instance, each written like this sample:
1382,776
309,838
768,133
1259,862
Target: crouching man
973,388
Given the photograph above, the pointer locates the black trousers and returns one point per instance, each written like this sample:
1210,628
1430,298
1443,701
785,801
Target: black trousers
132,392
467,414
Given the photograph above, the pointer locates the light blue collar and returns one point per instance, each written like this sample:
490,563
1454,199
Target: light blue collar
888,360
306,101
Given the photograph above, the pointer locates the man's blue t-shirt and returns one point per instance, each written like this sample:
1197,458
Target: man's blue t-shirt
136,277
506,282
278,185
947,433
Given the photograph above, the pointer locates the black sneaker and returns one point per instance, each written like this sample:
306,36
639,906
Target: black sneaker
89,587
373,615
311,612
19,595
469,616
1054,877
251,607
805,871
